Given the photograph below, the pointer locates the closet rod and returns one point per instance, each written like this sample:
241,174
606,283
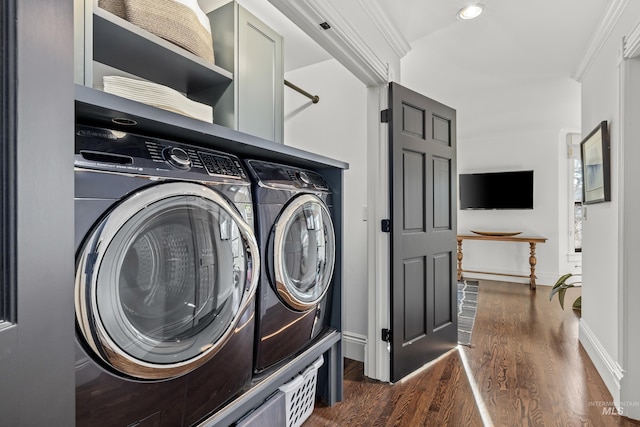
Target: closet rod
314,98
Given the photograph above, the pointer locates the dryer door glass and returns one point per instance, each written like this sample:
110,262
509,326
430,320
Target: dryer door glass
170,280
304,248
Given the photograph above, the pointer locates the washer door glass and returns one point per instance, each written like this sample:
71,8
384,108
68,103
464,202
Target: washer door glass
162,281
304,249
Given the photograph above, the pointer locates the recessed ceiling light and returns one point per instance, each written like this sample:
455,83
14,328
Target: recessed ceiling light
470,12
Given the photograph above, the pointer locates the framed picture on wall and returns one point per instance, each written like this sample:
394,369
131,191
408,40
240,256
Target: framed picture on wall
596,167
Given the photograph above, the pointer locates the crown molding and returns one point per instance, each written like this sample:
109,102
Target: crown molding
388,29
609,20
631,46
341,40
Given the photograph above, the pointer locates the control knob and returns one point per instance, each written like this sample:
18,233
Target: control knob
304,177
177,157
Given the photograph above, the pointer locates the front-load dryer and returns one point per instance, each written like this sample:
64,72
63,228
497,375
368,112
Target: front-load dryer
167,266
297,244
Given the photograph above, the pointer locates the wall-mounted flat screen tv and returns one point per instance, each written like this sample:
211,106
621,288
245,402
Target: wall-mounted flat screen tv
496,190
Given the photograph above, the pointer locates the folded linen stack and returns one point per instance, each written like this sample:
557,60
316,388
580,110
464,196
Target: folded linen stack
158,96
181,22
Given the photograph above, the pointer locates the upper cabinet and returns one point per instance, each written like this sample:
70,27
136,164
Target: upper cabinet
253,52
243,86
260,77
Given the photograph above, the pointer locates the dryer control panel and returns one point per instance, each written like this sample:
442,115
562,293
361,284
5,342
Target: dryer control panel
111,150
274,175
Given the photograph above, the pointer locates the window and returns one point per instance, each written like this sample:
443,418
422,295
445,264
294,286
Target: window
577,204
7,168
575,192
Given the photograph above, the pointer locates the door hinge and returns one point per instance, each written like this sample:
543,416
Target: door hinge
385,225
386,335
385,116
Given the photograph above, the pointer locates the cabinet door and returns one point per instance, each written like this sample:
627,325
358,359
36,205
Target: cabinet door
260,79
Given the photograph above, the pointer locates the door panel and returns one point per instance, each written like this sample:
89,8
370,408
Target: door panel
442,313
413,121
423,224
414,300
413,188
442,130
442,202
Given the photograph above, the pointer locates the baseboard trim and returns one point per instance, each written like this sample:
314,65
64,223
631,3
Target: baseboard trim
608,369
354,346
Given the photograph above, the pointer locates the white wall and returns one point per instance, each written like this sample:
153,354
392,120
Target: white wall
535,150
511,123
600,227
336,127
603,323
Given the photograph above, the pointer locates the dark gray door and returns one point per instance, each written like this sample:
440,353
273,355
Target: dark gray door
422,138
37,347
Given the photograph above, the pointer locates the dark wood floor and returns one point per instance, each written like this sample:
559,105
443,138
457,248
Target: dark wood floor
525,364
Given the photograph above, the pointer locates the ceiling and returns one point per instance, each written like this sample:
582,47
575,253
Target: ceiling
300,50
511,37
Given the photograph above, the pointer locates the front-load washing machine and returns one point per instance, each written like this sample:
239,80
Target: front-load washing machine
297,244
167,266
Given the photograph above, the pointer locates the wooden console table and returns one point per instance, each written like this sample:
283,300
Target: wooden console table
532,256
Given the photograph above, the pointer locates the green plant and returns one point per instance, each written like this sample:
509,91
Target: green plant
561,287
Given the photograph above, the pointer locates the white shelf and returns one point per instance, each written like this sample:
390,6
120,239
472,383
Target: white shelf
122,45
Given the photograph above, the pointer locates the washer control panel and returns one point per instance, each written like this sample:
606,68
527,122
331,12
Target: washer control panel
275,175
105,149
177,157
